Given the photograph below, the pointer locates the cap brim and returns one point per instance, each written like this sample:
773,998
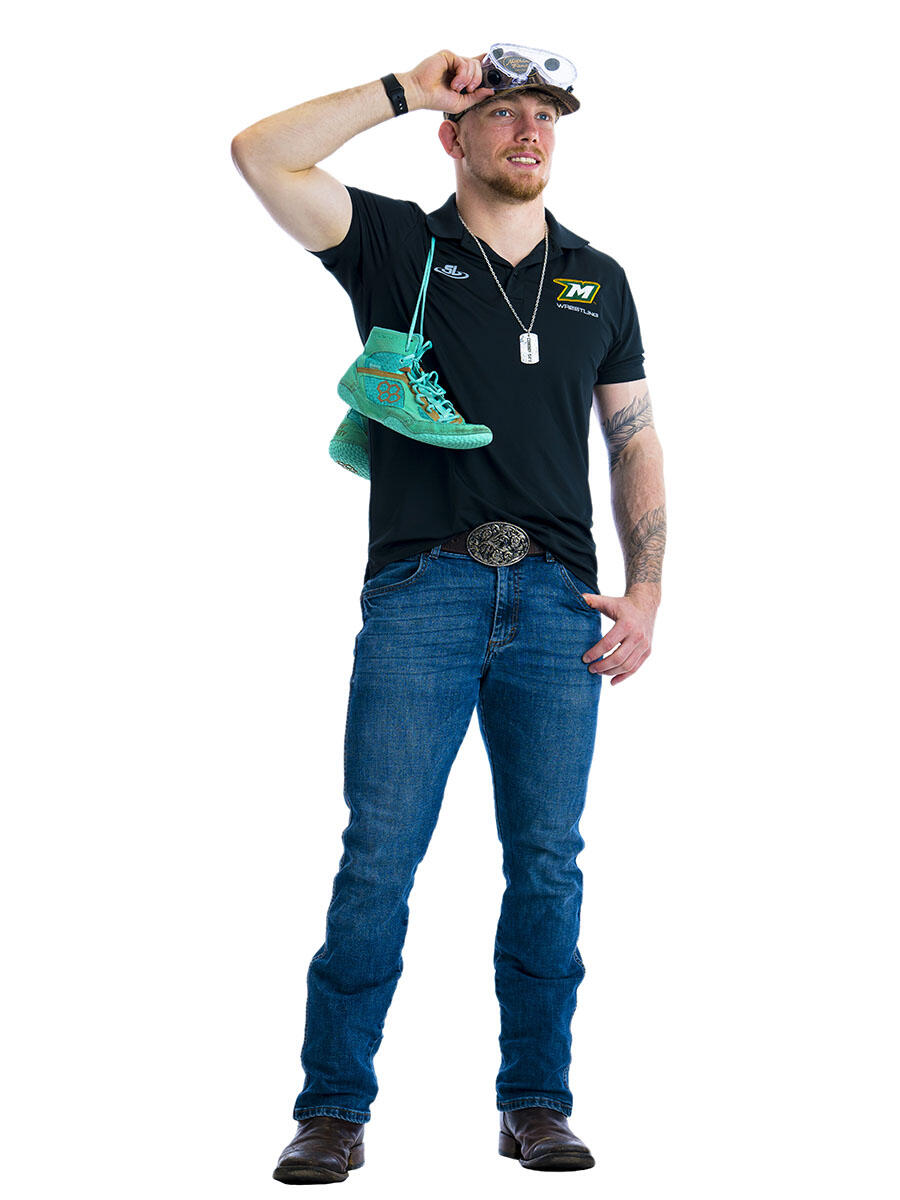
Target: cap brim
567,101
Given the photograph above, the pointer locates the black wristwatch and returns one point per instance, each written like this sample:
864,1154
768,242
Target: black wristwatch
396,94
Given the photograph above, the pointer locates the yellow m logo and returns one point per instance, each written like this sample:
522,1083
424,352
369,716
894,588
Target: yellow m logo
582,290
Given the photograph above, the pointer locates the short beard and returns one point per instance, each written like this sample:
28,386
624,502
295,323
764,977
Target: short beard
514,187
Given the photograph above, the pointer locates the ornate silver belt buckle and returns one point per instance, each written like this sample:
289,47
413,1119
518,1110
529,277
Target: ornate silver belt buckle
498,543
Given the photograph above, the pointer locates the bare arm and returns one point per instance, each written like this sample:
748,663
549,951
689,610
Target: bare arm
277,155
636,482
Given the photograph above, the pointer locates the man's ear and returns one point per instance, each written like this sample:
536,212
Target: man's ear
448,132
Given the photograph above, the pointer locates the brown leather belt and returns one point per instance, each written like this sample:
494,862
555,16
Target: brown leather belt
495,543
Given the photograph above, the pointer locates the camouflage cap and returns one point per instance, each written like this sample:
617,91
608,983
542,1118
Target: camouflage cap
565,102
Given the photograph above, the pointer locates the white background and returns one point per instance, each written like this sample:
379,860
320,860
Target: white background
182,566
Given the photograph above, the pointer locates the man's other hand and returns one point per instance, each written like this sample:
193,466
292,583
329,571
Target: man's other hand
634,617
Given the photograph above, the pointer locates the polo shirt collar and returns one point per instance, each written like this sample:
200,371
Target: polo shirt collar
444,222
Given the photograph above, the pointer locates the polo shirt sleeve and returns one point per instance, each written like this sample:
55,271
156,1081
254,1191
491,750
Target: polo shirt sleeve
624,360
377,224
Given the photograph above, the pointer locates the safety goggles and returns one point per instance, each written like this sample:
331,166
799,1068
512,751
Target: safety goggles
506,66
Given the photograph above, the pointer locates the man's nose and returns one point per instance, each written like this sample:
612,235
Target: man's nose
528,126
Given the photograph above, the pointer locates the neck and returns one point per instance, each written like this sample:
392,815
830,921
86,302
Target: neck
512,228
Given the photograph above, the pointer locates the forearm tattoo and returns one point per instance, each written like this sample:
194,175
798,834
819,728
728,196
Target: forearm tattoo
645,548
624,424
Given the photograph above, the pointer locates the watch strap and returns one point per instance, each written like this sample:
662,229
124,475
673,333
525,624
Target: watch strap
396,94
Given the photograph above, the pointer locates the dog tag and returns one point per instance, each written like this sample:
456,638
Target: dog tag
528,347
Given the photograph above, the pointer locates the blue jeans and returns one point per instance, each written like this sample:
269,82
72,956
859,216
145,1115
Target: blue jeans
442,634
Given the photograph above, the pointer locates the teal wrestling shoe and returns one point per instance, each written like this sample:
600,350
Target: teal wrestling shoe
350,445
386,383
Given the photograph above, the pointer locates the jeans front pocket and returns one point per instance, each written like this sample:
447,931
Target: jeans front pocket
402,573
576,587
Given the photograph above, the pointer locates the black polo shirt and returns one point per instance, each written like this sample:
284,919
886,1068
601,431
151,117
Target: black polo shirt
535,470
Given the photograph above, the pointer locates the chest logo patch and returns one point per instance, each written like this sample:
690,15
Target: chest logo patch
452,270
581,290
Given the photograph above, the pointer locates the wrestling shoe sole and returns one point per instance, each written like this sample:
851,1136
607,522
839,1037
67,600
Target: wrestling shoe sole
405,424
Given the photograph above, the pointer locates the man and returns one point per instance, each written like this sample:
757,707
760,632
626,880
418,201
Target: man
480,589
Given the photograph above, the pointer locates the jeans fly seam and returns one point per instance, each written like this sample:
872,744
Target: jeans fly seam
515,621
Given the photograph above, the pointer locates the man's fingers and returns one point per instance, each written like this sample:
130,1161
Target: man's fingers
476,60
471,72
597,651
626,660
462,73
631,668
614,659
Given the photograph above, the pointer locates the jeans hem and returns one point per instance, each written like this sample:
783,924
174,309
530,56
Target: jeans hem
534,1102
355,1116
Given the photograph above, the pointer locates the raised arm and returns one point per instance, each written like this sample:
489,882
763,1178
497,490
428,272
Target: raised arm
277,155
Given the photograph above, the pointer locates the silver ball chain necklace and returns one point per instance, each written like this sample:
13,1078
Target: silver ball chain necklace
528,341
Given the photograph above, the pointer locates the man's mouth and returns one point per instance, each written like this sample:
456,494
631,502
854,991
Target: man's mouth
523,160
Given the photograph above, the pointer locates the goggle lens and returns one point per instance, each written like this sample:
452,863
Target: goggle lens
519,64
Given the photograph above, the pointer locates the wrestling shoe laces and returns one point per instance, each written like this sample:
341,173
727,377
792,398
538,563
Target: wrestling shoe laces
426,386
427,390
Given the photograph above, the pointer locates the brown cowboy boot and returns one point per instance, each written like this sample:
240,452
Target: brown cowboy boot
322,1150
542,1140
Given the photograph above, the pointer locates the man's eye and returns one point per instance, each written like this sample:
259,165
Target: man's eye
506,110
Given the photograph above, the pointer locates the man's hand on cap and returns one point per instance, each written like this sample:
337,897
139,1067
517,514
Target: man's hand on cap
437,83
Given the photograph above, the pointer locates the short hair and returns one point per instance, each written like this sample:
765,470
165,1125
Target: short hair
504,92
